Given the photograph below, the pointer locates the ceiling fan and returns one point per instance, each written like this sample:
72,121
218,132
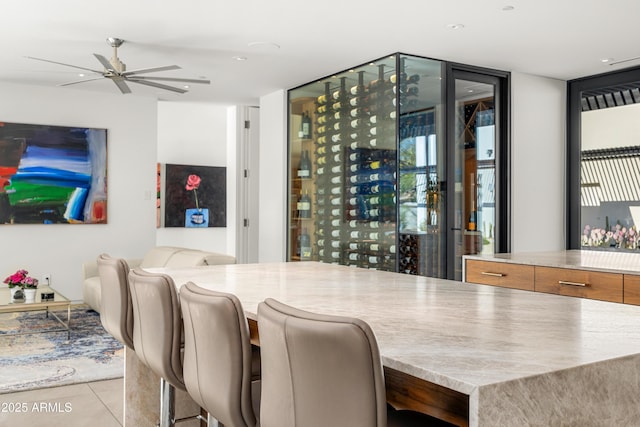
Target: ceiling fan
115,70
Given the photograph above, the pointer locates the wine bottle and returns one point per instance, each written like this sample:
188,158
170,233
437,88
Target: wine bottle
356,123
304,170
379,82
304,206
305,245
305,126
322,99
342,92
332,212
473,217
357,112
359,88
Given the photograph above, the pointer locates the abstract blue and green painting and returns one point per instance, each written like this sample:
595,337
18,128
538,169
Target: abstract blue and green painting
52,174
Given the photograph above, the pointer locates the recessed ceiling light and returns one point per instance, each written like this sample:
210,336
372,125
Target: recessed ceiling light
455,26
186,86
81,75
270,45
239,58
508,8
605,60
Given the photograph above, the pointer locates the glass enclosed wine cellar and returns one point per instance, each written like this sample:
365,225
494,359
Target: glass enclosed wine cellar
368,166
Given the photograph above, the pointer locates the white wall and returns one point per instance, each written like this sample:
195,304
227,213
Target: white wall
196,134
538,118
273,177
60,249
611,127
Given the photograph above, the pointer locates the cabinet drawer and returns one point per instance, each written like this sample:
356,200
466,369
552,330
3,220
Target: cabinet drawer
506,275
631,289
579,283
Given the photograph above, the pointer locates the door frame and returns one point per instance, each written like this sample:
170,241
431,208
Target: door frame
501,82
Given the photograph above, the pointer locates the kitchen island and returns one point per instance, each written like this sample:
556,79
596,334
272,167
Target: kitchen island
471,354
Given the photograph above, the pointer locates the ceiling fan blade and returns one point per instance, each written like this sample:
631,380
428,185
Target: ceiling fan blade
170,79
124,88
104,61
66,65
158,85
81,81
151,70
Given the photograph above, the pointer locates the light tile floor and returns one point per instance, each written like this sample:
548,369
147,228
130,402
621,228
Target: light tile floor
98,404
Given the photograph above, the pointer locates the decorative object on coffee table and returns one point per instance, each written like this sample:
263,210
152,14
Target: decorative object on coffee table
21,280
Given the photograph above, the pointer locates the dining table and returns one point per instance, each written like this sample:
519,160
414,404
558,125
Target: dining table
473,355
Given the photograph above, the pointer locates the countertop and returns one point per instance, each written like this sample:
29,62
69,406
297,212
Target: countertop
523,358
455,334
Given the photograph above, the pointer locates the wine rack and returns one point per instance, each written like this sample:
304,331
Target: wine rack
352,149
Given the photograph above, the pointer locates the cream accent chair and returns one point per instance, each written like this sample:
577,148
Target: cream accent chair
159,256
320,370
218,357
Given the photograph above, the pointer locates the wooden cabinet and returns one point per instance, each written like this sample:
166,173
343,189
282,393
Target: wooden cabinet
631,289
506,275
579,283
574,282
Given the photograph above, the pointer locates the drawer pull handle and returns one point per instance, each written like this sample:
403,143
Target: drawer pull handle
487,273
563,282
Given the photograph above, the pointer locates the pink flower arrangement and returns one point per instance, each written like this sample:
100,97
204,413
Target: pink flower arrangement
20,278
618,237
193,182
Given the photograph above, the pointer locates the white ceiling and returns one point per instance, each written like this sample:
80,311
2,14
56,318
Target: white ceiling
563,39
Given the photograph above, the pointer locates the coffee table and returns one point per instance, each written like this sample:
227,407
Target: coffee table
58,301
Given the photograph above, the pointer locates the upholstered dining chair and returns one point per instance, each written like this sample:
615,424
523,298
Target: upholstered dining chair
116,313
157,334
322,370
218,356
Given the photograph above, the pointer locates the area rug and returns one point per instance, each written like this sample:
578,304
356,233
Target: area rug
51,359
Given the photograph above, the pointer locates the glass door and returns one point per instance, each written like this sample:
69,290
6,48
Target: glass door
421,223
474,147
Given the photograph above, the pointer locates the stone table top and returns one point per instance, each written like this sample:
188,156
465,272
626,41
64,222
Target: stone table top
461,336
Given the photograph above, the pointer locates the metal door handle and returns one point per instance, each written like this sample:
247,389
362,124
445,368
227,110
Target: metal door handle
487,273
563,282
